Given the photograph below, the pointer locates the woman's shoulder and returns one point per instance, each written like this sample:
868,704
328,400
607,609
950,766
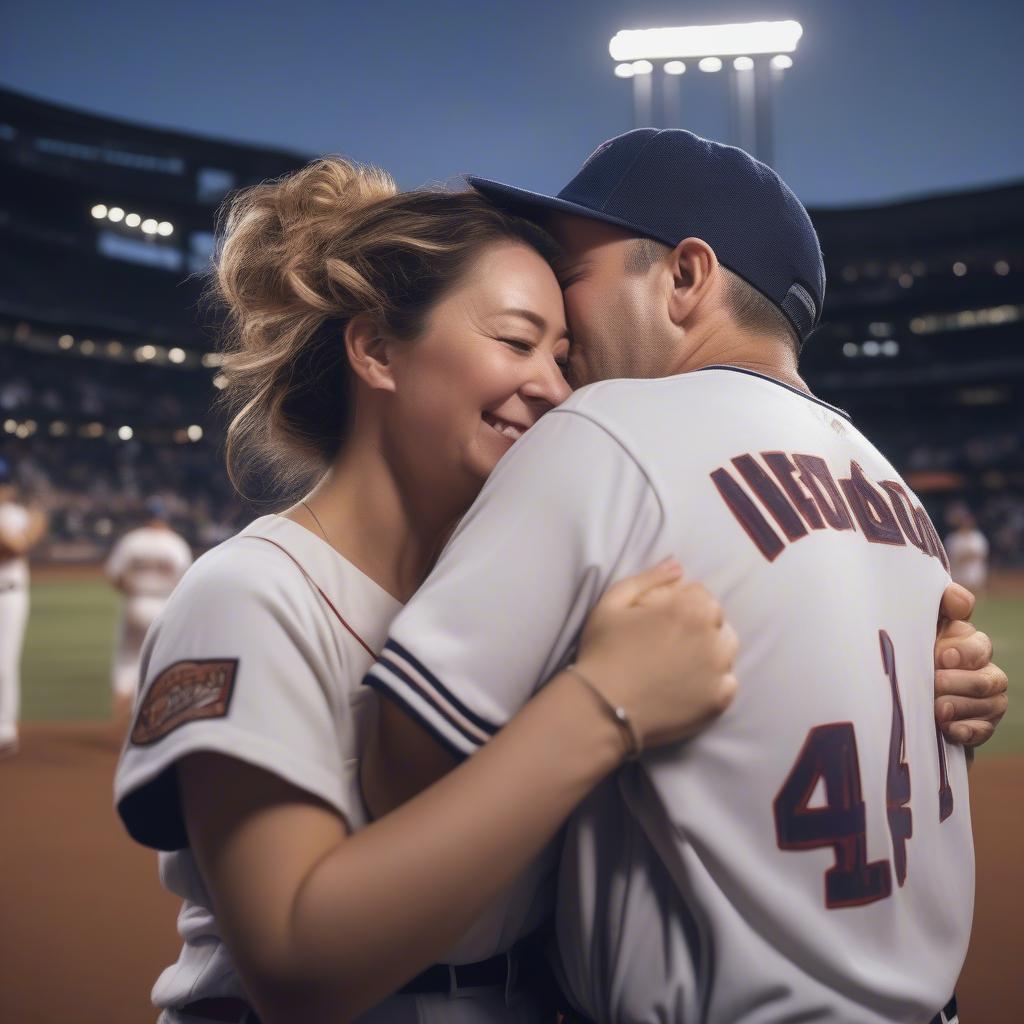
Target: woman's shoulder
244,569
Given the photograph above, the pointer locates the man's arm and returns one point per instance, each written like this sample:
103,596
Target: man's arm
566,513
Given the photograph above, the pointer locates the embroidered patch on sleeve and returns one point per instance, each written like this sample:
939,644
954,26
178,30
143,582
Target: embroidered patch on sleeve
186,691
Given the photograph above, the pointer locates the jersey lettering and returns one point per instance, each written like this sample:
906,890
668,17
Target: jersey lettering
805,494
897,784
830,753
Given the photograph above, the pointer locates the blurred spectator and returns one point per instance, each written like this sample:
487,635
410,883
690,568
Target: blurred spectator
968,550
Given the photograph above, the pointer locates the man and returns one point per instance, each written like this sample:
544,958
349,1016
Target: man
795,861
21,528
145,565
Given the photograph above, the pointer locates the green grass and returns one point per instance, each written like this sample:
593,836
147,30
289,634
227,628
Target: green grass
66,664
65,667
1002,618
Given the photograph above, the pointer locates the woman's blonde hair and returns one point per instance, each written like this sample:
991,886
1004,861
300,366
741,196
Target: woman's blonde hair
301,256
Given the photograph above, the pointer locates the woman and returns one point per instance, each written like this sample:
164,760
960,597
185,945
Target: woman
392,347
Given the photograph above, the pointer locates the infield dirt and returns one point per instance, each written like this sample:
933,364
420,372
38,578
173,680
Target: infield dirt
86,927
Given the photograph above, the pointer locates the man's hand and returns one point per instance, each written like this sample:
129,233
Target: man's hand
970,691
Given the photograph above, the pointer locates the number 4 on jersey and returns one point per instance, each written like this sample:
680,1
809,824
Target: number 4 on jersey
830,754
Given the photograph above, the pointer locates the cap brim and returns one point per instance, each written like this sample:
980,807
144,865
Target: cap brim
533,205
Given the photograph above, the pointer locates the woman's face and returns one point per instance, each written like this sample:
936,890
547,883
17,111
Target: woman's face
488,365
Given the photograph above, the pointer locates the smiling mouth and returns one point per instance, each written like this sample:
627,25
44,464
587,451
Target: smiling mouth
512,431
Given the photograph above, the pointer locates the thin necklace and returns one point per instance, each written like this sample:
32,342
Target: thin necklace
316,520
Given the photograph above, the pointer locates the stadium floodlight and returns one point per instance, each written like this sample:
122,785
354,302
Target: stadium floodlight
87,347
706,41
115,214
743,64
125,433
780,62
710,64
65,341
149,226
165,228
624,71
195,432
99,211
674,67
176,355
132,220
642,67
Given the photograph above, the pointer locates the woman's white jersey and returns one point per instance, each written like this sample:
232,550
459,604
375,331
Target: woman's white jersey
258,659
808,856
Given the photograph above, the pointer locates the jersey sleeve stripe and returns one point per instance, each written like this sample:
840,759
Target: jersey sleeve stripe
397,675
395,653
422,713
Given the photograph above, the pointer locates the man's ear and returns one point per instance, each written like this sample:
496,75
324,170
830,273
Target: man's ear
694,267
369,353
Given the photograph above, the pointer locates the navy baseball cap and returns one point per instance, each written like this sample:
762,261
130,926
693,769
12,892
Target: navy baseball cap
671,184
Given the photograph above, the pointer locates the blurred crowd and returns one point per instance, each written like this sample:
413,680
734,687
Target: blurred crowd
95,486
95,490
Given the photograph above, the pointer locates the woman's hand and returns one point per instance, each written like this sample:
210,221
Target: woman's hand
661,649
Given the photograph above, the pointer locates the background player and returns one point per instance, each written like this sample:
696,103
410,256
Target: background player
727,906
967,548
145,565
21,528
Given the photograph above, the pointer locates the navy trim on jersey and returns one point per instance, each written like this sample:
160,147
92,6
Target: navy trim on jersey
417,688
781,384
413,712
443,691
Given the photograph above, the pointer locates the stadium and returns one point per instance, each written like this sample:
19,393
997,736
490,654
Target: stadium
109,375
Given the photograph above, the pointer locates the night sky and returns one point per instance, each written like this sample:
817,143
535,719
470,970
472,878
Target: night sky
887,98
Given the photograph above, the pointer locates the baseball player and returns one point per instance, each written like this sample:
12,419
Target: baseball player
145,565
968,549
796,861
21,528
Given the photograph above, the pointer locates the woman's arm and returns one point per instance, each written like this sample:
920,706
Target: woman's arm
323,925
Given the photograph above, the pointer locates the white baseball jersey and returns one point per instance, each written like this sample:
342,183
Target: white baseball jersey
14,522
150,562
808,856
249,659
147,562
968,558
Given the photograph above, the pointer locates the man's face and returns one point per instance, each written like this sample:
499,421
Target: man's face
616,314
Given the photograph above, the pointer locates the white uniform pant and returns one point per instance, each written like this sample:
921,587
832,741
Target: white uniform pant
137,615
13,617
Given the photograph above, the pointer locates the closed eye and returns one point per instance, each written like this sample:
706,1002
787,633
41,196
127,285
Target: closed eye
521,346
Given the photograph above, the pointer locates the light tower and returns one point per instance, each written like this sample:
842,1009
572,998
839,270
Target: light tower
757,54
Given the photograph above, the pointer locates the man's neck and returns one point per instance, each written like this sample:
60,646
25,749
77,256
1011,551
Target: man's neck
722,345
